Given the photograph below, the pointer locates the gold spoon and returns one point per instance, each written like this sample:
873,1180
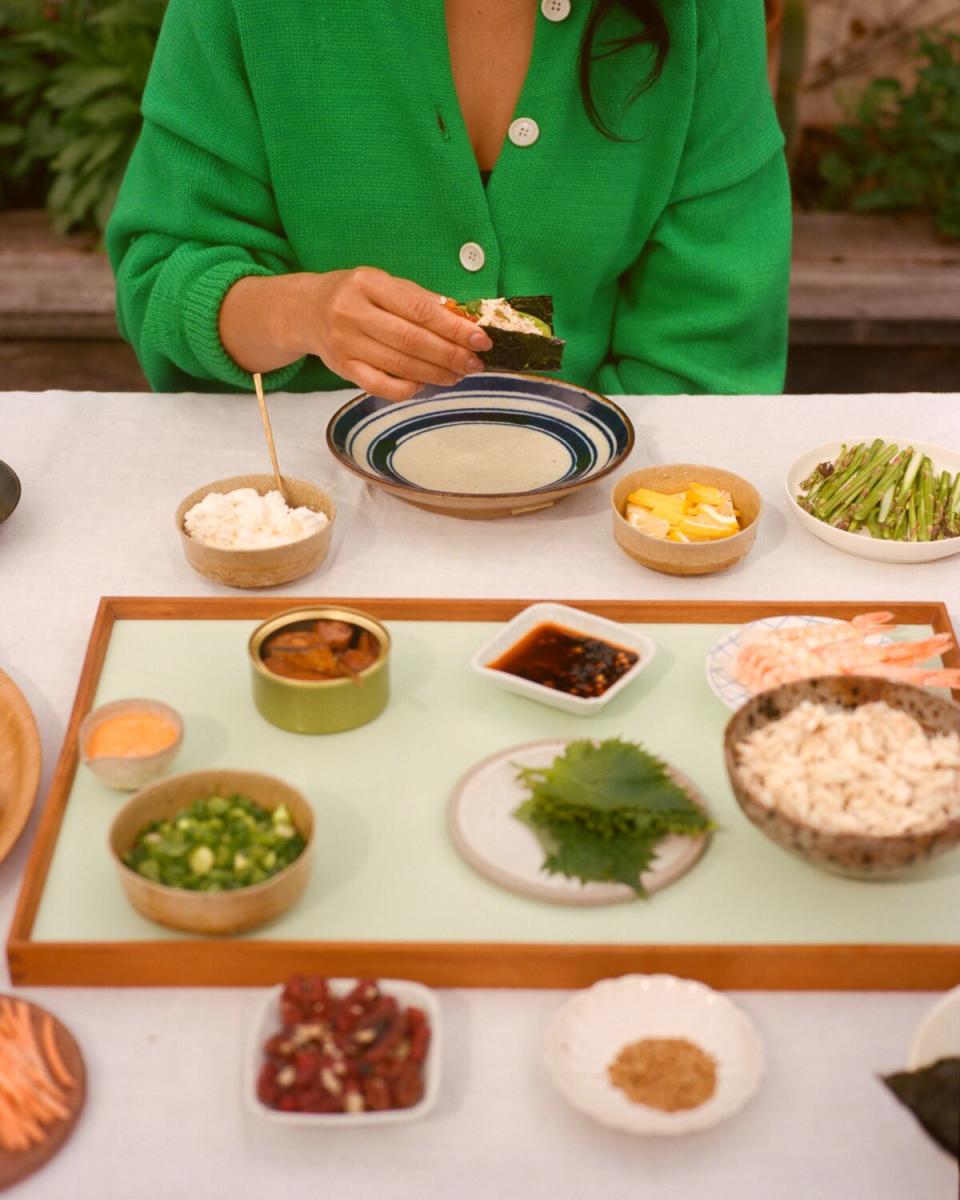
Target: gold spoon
265,418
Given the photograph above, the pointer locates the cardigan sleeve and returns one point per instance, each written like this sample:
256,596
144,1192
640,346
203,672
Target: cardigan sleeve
196,211
704,307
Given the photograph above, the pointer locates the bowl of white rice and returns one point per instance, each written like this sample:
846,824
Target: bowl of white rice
859,775
242,532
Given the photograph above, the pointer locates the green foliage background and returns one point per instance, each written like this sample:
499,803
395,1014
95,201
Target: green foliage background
72,74
71,78
901,152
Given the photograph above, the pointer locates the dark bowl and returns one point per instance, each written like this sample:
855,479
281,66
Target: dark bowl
9,491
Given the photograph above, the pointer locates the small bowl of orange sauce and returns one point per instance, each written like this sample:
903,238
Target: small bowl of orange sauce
126,743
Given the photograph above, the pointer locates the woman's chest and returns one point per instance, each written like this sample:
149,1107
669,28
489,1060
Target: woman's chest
374,150
489,43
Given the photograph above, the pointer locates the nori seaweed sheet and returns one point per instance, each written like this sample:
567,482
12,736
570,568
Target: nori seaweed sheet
514,351
932,1094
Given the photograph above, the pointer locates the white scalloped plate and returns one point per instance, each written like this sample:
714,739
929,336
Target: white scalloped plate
590,1030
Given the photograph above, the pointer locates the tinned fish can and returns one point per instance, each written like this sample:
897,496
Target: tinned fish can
320,705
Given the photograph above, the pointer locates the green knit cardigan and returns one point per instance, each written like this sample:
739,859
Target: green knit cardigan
309,135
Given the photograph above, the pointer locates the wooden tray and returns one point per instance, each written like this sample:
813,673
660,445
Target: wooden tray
564,961
19,763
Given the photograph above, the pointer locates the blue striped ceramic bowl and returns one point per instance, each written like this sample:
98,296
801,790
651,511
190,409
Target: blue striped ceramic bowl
493,445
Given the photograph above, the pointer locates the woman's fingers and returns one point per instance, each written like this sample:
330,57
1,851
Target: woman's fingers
402,366
377,383
415,341
422,308
388,335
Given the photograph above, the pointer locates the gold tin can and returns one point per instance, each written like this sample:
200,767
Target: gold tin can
323,705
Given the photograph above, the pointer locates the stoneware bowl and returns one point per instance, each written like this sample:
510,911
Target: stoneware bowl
129,772
492,445
212,912
325,705
267,567
686,558
859,855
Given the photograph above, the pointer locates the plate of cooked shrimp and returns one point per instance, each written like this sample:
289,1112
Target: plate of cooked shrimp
766,653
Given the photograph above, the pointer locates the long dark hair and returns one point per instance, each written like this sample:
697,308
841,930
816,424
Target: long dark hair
652,31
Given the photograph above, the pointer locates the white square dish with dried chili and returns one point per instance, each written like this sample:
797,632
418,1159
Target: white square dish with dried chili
341,1051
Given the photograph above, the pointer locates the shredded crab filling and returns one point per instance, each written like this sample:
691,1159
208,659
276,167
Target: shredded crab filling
870,770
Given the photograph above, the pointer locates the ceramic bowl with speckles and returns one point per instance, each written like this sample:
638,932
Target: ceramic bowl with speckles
858,855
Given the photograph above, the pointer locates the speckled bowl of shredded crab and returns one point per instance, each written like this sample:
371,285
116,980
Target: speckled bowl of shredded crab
859,775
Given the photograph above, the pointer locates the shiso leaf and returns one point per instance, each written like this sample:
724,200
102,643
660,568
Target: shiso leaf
587,855
599,811
614,774
932,1094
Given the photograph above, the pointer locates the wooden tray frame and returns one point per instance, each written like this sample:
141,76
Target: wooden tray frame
239,962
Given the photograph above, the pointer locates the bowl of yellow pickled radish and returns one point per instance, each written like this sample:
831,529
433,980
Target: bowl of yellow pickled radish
685,518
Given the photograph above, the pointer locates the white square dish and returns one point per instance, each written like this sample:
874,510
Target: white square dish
268,1022
574,620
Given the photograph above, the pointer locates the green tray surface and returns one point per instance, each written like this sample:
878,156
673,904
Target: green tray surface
385,869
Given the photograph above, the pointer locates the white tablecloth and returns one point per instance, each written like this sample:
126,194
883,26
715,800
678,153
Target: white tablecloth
102,476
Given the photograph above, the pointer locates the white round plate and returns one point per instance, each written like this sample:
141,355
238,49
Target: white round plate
862,544
938,1034
506,851
590,1030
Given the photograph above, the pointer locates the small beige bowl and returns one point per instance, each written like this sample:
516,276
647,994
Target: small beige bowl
129,773
686,558
859,855
267,567
212,912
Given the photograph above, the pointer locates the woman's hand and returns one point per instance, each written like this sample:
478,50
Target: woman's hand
387,335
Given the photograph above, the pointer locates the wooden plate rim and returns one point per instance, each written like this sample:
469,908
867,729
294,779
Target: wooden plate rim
15,1166
15,815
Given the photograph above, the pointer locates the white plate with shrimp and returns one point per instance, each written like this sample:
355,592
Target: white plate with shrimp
765,653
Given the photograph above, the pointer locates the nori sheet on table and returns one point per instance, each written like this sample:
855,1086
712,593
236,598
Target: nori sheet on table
514,351
932,1094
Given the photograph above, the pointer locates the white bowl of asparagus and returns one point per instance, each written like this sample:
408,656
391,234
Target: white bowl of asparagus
888,499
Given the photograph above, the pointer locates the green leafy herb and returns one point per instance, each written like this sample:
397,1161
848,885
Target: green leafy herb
600,809
901,150
71,77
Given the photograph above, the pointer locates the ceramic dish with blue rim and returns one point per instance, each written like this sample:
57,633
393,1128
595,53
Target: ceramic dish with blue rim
493,445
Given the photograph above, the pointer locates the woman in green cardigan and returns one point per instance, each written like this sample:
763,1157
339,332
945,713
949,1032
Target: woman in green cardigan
313,177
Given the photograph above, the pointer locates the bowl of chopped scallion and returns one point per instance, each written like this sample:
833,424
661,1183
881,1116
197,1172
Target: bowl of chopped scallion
214,851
